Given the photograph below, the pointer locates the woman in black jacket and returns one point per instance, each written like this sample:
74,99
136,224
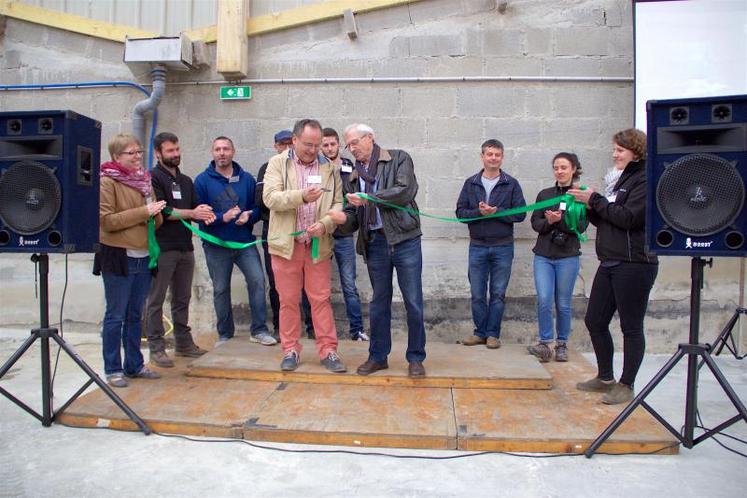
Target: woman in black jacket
556,262
626,272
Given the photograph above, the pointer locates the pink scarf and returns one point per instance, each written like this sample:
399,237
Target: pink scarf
138,179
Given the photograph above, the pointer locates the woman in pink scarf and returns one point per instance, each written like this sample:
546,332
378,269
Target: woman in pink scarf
124,209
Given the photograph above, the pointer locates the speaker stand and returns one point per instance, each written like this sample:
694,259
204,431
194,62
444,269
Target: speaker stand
726,338
45,333
694,351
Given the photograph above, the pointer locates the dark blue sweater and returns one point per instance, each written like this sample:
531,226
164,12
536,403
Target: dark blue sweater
506,194
223,194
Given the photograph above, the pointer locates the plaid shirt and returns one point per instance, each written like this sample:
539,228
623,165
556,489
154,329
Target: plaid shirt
306,212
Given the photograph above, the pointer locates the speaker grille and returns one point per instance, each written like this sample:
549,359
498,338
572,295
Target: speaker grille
30,197
700,194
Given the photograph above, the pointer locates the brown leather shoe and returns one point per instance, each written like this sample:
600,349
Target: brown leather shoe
416,369
193,351
371,366
493,343
474,340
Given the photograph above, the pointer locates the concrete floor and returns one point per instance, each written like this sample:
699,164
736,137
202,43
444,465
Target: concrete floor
60,461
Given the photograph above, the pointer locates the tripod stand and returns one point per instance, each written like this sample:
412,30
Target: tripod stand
45,333
726,339
693,350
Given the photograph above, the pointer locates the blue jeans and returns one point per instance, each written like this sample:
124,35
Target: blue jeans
345,258
407,258
125,297
489,265
220,263
554,280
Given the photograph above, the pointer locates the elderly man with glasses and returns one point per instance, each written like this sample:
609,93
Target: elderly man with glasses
388,239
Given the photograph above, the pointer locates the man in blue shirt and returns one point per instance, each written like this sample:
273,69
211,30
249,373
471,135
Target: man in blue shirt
491,241
229,190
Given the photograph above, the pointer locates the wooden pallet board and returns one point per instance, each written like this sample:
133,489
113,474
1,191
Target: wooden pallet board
447,365
563,420
554,421
364,416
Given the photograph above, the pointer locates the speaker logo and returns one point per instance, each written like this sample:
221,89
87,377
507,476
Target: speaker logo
26,242
689,244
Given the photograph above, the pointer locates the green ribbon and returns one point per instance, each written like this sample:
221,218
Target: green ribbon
575,219
575,212
154,250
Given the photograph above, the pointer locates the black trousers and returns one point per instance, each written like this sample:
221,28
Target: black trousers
623,288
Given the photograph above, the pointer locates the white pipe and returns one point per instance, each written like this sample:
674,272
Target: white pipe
158,74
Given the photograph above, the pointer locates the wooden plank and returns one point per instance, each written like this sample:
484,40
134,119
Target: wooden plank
175,403
447,365
363,416
561,420
69,22
232,51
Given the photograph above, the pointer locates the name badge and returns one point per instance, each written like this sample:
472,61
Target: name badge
346,168
315,179
233,179
562,206
176,191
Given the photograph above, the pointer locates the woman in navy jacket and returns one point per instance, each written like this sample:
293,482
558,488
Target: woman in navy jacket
626,272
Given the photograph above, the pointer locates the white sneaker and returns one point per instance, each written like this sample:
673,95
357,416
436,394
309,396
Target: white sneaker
220,341
361,336
264,339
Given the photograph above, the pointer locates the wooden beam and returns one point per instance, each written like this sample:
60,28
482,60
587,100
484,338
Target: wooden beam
232,52
69,22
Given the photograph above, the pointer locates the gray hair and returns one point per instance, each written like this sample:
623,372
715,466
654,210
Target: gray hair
361,129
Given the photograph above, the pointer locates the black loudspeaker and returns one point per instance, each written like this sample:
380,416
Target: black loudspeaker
696,173
49,182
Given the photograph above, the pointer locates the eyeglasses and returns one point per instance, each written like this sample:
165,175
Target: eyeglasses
356,142
134,152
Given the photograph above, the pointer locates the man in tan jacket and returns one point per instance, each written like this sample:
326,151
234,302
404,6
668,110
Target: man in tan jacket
300,186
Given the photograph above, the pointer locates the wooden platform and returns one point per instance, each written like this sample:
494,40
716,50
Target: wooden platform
560,419
447,365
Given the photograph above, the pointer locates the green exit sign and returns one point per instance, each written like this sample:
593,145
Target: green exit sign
235,92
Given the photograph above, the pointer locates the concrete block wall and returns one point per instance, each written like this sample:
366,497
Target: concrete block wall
441,124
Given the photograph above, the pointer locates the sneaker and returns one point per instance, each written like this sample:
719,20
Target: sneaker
161,359
474,340
493,342
192,351
333,363
359,336
596,385
116,380
620,393
561,352
290,362
221,341
264,339
541,351
145,373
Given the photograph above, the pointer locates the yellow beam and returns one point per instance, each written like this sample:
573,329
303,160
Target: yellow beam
232,53
69,22
300,16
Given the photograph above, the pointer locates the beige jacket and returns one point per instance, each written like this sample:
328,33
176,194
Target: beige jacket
282,196
123,216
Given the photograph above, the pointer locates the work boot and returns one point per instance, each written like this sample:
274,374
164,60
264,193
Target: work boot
161,359
561,352
192,351
492,343
474,340
596,385
620,393
541,351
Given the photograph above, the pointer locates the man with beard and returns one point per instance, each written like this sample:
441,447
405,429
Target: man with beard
176,263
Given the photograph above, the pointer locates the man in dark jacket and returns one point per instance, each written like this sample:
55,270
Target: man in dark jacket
229,190
388,239
491,246
177,261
